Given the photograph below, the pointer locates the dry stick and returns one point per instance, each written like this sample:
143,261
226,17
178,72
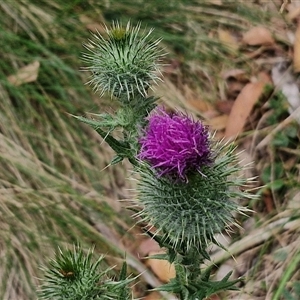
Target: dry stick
257,237
294,116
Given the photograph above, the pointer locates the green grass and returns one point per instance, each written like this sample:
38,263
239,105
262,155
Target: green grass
52,192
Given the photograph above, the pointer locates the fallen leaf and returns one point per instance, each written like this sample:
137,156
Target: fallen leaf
297,50
26,74
224,106
148,245
153,296
258,36
228,39
161,268
242,108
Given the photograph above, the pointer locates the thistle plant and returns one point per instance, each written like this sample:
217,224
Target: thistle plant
185,187
189,182
124,64
73,275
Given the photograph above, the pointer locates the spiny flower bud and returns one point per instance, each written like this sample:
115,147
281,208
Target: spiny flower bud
123,64
175,144
187,213
73,275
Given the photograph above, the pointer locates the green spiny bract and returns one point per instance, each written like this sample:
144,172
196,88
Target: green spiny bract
73,275
123,63
188,214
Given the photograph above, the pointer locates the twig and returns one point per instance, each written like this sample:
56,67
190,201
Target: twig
295,115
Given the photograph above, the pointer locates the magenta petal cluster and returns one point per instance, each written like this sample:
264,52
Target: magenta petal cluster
175,144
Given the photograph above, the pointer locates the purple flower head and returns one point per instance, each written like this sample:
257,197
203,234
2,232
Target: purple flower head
174,144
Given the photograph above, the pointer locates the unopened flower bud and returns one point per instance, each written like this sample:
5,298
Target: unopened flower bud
123,63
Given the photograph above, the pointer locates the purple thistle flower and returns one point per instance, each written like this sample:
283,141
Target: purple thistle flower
175,144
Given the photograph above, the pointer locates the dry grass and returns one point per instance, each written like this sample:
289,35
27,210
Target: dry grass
51,189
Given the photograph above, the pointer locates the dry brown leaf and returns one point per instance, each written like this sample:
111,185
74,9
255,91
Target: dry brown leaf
225,106
161,268
228,39
297,50
242,108
148,245
26,74
258,36
153,296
